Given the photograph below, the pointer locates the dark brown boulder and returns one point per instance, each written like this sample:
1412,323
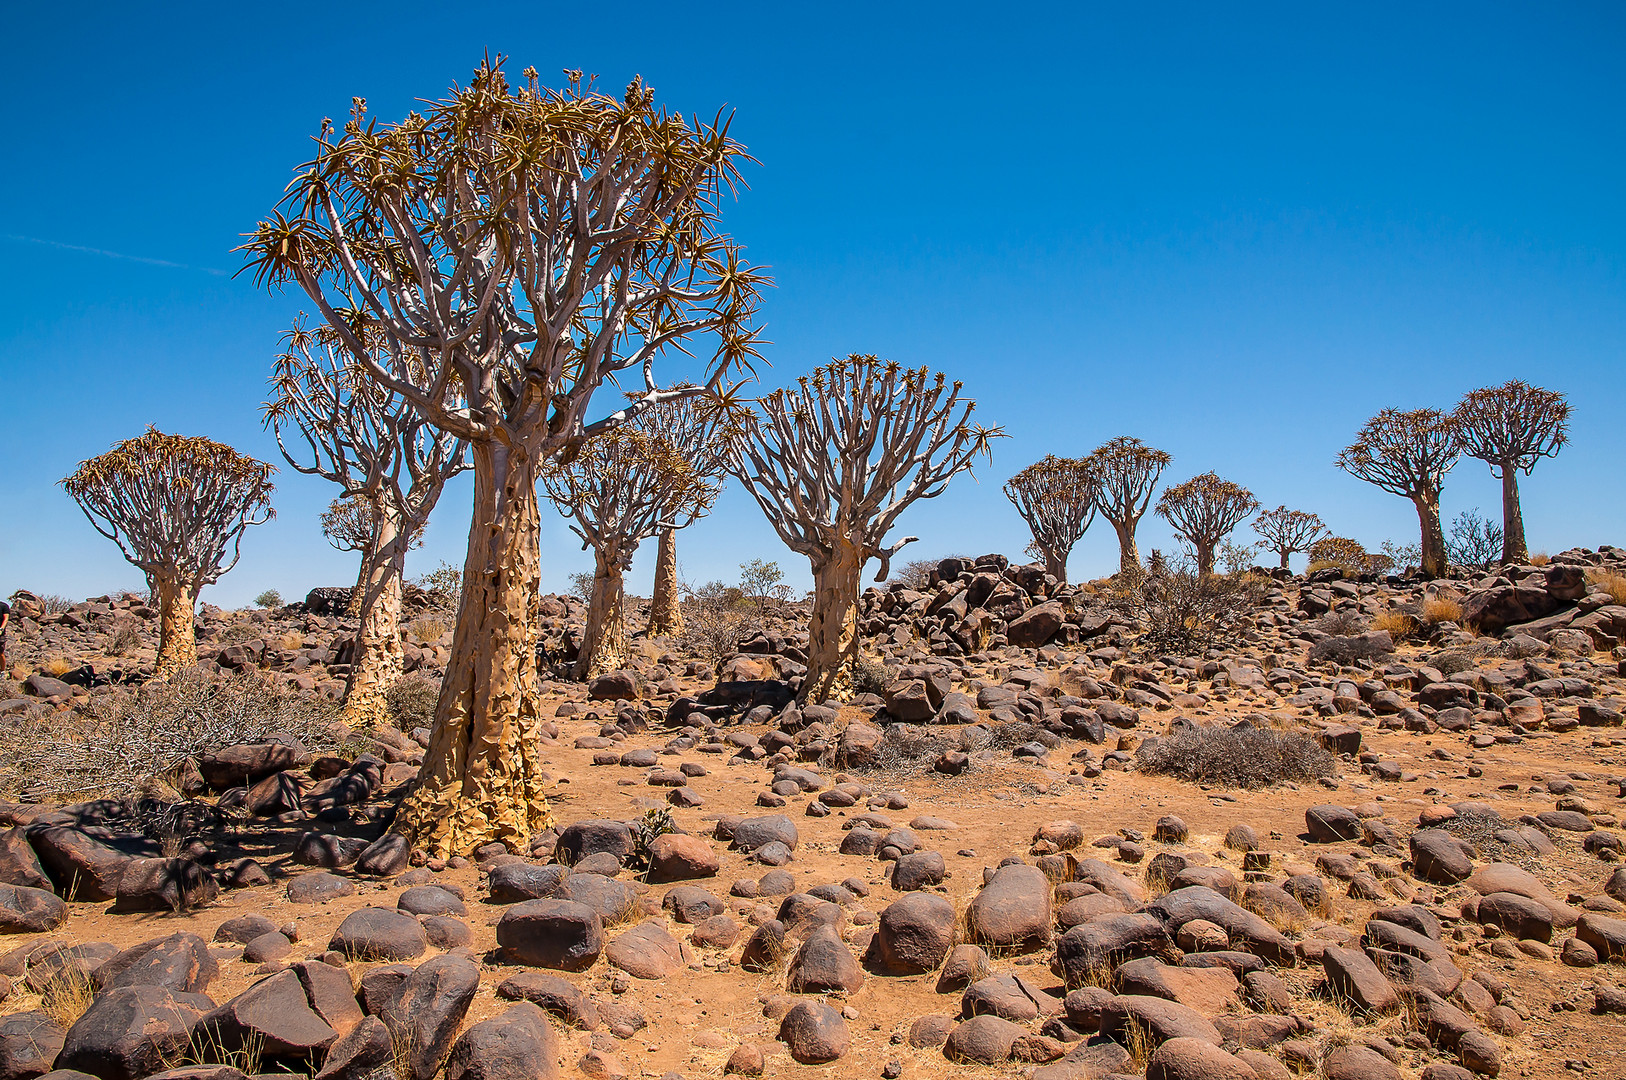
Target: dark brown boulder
558,934
179,962
518,1045
131,1032
25,910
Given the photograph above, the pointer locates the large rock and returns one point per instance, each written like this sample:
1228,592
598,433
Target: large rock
1208,990
1507,878
29,1044
430,1010
1356,1062
913,934
814,1033
1195,1059
245,763
1247,930
1012,910
681,857
364,1053
1328,824
1158,1018
515,882
554,996
518,1045
1089,952
984,1039
750,834
274,1014
179,962
164,885
558,934
18,863
1606,936
131,1032
584,838
1439,857
1520,916
647,951
1037,625
379,934
1353,977
84,868
24,910
1493,610
823,965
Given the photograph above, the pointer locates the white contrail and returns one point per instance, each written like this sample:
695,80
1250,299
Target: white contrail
112,254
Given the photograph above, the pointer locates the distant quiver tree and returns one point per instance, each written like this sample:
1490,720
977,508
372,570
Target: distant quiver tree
1287,531
1056,497
1408,454
1126,472
1510,428
1203,511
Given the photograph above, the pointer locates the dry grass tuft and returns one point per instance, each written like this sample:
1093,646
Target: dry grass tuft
66,997
425,631
1247,757
1399,624
1540,558
1611,583
1441,609
58,666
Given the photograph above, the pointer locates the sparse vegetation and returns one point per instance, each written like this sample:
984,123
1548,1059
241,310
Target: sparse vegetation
270,598
1396,623
443,586
1474,541
1440,609
1246,757
1611,583
1183,609
581,585
869,676
52,604
411,700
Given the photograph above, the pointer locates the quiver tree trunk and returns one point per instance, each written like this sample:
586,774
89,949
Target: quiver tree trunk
364,577
1055,564
1284,553
1513,547
665,614
604,639
1432,547
377,656
177,636
1128,553
1205,559
832,641
482,776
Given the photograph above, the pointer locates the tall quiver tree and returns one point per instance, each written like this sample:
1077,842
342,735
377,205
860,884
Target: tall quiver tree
1286,531
520,245
1203,511
705,429
1408,454
350,523
1056,497
1511,427
391,465
177,507
657,473
1126,472
833,462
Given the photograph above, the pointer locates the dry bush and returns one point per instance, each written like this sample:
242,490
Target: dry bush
54,604
1440,609
1341,553
1245,757
442,587
127,740
427,630
870,676
58,666
1183,610
1342,622
916,574
1612,583
713,630
411,700
1452,661
1399,624
124,639
1540,558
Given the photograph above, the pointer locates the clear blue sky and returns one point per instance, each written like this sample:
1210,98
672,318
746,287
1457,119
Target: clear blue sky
1235,231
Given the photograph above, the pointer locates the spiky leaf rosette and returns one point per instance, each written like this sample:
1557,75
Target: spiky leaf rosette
1056,497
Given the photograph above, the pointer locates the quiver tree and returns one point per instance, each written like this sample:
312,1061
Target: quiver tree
1056,497
1342,553
1511,427
833,462
176,506
1203,511
1408,454
1126,472
703,430
1286,531
648,476
391,465
518,246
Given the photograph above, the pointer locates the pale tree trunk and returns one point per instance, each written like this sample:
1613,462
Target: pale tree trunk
665,614
482,776
1284,553
377,657
1055,564
1513,549
1128,553
1432,553
1205,558
177,637
352,607
832,640
604,639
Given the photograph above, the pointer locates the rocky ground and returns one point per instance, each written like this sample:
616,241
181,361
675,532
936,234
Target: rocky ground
969,865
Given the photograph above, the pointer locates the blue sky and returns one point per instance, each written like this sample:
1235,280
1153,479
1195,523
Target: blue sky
1233,231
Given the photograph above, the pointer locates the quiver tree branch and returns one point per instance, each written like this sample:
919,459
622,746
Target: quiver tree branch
1510,428
1056,497
177,507
1203,511
1287,531
1126,471
513,248
333,420
658,473
1408,454
834,461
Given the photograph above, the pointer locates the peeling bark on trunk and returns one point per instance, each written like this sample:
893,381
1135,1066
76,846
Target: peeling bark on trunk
1513,547
665,615
353,606
832,645
177,637
1432,554
1128,553
604,639
377,656
1205,559
482,776
1056,566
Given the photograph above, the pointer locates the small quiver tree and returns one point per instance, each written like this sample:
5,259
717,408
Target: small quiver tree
703,429
1056,497
1126,472
1408,454
333,420
630,483
1287,531
1510,428
1203,511
1343,554
521,245
177,507
833,462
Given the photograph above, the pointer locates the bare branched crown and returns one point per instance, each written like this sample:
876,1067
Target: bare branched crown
1205,508
174,504
1405,453
1512,426
1288,531
1126,472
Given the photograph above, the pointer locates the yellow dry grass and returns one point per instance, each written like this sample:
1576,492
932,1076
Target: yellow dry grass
1613,584
1441,609
1398,623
